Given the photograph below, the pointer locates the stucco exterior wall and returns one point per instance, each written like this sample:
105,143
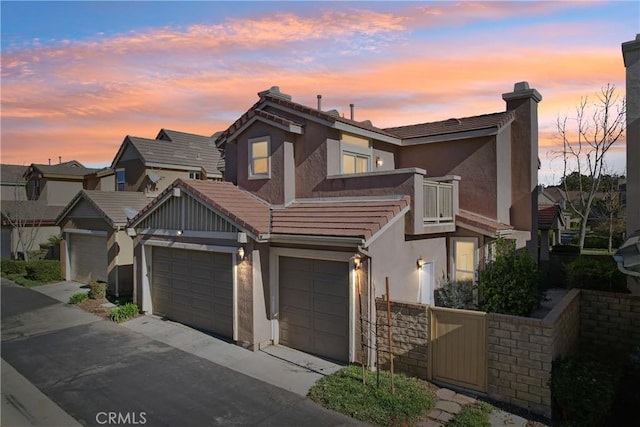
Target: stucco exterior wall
317,154
261,296
59,193
402,269
42,235
503,176
471,159
631,54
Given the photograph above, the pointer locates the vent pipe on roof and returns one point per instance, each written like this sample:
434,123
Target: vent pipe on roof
49,161
351,106
319,102
59,159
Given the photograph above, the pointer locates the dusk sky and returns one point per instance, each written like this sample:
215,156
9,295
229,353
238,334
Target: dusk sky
77,77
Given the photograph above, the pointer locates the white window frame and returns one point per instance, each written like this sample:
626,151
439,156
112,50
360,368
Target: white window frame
197,175
356,151
124,179
452,250
252,175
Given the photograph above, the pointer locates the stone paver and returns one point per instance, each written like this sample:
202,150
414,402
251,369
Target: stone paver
448,406
463,400
446,417
445,394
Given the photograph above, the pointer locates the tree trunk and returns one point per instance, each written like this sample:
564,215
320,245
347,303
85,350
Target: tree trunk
583,232
610,231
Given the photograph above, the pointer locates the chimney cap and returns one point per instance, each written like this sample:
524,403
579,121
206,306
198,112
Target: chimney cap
521,90
275,92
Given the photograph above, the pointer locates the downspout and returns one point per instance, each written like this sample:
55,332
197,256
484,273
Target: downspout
372,315
117,263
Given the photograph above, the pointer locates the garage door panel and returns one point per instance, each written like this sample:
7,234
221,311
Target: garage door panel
199,286
88,257
314,298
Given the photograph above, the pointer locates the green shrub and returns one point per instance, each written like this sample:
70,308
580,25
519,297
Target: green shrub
583,389
476,415
597,273
124,312
13,266
78,298
601,242
43,271
509,284
97,290
456,294
344,392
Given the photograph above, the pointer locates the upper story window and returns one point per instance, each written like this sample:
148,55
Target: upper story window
355,153
195,175
120,179
259,159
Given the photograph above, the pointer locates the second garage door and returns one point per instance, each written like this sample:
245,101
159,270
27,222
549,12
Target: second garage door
88,257
194,288
314,306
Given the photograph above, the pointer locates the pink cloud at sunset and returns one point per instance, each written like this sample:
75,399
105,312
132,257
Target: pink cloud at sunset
400,64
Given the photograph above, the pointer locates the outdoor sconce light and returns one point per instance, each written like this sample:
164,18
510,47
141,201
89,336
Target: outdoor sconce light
179,233
378,162
241,253
420,262
357,261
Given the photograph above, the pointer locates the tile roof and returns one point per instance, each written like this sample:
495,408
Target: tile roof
183,149
32,211
547,215
485,121
12,174
71,168
490,226
339,218
117,207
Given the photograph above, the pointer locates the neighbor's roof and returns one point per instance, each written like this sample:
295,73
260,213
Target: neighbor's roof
547,214
12,174
348,217
455,125
71,168
486,225
176,149
117,207
34,212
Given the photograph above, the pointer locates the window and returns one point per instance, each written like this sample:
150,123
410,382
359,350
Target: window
464,259
194,175
426,284
356,154
259,160
120,179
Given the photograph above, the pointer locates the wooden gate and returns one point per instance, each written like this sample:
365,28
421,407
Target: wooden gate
458,347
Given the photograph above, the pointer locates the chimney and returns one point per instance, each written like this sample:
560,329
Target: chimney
631,58
59,159
275,92
523,101
319,102
351,106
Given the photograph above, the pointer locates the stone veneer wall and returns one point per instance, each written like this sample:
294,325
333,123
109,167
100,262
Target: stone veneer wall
410,327
610,319
521,350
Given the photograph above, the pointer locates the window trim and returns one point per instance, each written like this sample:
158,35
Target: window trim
250,174
195,175
356,151
453,254
124,179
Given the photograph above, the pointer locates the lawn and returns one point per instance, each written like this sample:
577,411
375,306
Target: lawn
344,392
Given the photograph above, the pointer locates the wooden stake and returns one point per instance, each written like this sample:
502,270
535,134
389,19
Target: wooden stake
390,333
362,347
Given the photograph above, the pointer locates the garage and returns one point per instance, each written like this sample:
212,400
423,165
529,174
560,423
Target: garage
314,306
194,288
87,257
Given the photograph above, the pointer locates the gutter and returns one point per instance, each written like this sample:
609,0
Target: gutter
322,240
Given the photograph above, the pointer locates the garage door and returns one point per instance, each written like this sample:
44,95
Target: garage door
314,306
88,257
194,288
5,242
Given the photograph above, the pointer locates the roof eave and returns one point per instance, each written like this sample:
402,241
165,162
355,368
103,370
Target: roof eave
312,239
290,128
346,127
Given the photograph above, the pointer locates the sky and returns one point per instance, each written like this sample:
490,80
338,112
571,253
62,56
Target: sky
77,77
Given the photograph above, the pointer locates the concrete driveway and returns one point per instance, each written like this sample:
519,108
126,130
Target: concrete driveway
94,369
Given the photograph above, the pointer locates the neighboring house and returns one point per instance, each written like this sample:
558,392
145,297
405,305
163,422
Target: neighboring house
551,223
95,244
151,165
55,185
102,179
628,256
319,211
12,187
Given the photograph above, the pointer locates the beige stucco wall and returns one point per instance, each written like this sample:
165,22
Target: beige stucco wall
59,193
40,235
401,268
631,53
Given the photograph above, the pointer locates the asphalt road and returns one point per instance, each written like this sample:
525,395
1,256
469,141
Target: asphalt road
104,374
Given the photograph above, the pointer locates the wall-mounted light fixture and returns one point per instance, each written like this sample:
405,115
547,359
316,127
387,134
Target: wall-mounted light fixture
357,261
378,162
241,253
179,232
420,262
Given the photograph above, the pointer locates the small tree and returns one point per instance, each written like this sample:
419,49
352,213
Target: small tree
508,284
597,127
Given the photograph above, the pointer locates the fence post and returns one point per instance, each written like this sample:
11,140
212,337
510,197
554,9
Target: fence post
390,333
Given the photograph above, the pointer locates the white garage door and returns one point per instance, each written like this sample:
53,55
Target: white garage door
194,288
88,257
314,306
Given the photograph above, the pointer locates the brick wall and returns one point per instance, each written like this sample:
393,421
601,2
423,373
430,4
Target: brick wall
520,352
410,327
609,319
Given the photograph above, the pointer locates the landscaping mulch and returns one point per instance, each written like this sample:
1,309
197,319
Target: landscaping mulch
94,306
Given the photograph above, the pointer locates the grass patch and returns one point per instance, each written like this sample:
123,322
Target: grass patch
124,312
344,392
78,297
21,280
476,415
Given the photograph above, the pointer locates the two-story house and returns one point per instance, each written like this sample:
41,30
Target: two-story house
151,165
319,211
